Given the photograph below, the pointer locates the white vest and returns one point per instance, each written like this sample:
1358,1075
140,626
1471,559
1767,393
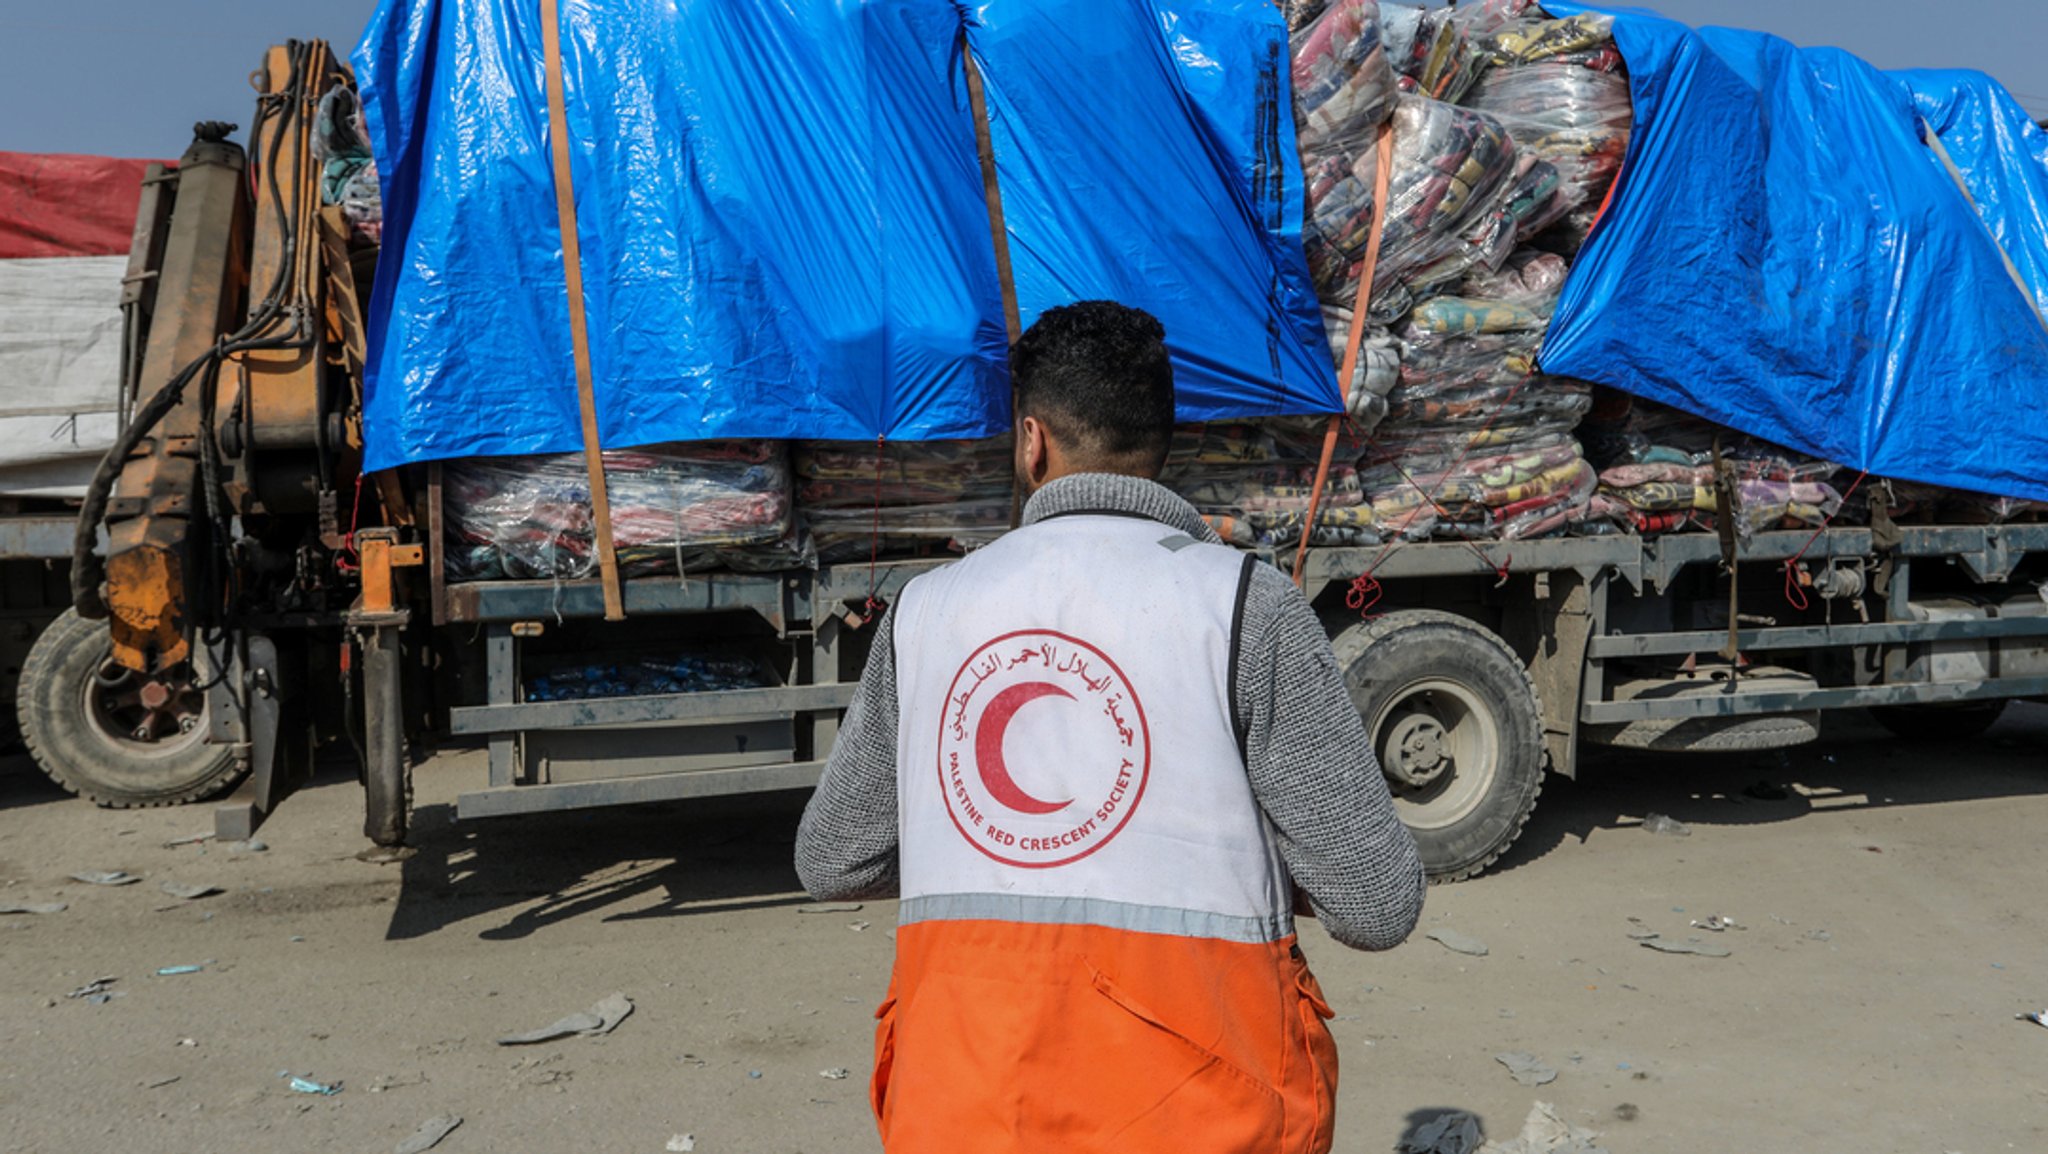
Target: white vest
1066,746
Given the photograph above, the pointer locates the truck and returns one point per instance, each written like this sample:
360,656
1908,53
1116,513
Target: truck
244,597
65,224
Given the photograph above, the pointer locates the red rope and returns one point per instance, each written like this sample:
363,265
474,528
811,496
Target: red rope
1794,593
1365,592
348,543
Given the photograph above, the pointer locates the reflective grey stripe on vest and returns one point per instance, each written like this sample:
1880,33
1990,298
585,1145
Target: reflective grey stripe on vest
1070,911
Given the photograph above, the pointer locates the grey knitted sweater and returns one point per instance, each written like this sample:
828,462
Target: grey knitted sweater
1310,766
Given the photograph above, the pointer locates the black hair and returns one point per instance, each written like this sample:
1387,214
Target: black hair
1096,374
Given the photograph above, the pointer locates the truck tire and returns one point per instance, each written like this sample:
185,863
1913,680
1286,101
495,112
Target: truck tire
1455,723
1958,722
110,735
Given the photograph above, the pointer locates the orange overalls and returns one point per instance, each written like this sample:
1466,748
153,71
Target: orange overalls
1096,951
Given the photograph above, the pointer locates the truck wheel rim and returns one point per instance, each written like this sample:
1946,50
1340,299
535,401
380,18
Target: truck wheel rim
141,715
1439,747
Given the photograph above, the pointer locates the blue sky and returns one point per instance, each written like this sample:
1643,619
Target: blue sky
128,77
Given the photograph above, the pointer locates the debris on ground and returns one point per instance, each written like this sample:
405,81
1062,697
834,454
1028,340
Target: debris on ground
2038,1017
1664,824
1453,1132
1458,943
106,878
1543,1132
1628,1111
160,1083
303,1085
174,971
34,908
836,1073
189,890
684,1143
1716,923
1820,936
857,927
429,1134
842,908
189,839
1526,1068
1765,790
250,846
1688,946
96,986
600,1019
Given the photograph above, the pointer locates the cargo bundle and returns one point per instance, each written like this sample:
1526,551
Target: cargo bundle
1453,163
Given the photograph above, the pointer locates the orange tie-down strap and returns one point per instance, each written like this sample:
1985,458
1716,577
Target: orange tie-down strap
579,331
1361,304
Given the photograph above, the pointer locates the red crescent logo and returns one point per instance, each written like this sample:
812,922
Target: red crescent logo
1094,756
988,746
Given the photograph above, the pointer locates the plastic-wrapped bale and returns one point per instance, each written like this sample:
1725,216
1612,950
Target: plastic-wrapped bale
1343,84
1452,197
1657,472
1377,372
859,498
675,509
1474,433
1561,90
1439,52
1299,14
1254,488
348,173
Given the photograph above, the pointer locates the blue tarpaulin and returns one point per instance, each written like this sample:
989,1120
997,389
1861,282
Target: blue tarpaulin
1146,154
782,218
1785,253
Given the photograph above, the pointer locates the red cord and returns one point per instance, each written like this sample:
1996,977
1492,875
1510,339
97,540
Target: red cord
1794,594
348,543
1365,592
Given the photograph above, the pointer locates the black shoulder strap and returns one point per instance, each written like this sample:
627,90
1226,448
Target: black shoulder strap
1244,588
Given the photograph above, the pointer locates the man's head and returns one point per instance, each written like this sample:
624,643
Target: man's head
1094,393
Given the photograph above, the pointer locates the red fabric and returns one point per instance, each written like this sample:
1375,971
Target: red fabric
55,204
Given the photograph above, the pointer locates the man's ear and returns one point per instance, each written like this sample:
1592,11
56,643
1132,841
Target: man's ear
1034,452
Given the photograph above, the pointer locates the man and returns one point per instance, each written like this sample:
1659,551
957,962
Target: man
1095,759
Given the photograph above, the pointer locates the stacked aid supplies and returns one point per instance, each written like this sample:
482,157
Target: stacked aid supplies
860,498
1503,124
674,509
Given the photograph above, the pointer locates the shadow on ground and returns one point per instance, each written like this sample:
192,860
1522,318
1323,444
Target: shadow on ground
721,854
629,863
1855,765
22,782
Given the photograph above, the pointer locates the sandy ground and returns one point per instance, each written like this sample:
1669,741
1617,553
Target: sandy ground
1892,908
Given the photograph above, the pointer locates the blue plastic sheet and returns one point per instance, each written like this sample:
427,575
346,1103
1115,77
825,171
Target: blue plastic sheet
2003,156
1784,254
782,218
779,207
1145,150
